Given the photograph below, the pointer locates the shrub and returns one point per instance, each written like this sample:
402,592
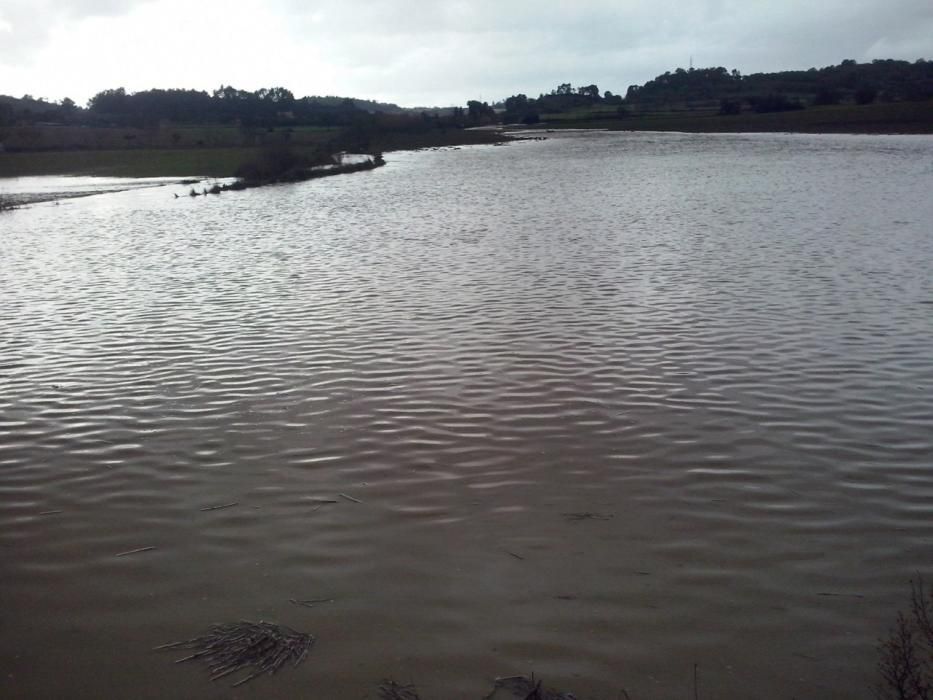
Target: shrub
277,162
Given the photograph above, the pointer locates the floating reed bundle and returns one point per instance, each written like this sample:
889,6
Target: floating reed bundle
258,645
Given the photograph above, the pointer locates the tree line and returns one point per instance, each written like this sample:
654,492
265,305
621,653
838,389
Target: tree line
266,107
849,82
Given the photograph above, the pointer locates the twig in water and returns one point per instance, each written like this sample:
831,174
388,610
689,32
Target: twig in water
517,556
587,516
135,551
842,595
50,512
310,603
349,498
225,505
696,691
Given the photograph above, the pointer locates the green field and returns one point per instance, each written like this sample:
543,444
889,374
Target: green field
64,138
881,118
209,161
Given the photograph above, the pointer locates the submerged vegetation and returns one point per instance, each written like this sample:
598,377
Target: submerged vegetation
906,663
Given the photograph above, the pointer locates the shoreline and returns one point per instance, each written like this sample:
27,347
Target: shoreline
217,164
209,162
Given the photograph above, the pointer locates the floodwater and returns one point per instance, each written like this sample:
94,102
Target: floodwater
28,190
612,407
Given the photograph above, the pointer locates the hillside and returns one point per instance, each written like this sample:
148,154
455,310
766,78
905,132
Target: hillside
685,99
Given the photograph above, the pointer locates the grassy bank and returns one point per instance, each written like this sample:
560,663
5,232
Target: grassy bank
51,137
212,161
209,162
882,118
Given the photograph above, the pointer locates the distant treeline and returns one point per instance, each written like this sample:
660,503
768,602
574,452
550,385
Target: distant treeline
849,82
521,108
267,107
729,92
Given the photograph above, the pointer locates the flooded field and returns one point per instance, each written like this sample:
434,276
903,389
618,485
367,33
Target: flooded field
606,408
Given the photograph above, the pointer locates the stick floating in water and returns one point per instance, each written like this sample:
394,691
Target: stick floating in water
349,498
136,551
225,505
311,602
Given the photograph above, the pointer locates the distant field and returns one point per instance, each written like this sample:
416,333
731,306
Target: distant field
882,118
204,161
209,162
58,138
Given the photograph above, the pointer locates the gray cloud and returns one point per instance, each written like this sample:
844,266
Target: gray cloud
445,51
499,48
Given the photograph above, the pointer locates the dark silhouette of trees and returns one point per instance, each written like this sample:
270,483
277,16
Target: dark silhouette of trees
848,82
480,113
564,98
266,107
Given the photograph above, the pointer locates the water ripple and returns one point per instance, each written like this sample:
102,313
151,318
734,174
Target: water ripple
712,351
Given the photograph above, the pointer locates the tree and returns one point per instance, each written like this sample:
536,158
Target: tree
516,103
108,101
480,112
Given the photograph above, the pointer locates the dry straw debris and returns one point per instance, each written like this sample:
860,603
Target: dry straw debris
261,646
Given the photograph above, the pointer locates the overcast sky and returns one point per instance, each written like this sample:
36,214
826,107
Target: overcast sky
432,52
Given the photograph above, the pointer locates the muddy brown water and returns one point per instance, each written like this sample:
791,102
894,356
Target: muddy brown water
612,405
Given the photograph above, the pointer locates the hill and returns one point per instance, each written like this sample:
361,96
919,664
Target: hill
688,93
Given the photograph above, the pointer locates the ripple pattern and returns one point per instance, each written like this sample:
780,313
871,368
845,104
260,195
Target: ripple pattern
599,407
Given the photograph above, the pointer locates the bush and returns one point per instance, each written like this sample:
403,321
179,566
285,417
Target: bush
277,162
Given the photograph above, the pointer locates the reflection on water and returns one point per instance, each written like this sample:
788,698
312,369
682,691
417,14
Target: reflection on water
611,405
26,190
